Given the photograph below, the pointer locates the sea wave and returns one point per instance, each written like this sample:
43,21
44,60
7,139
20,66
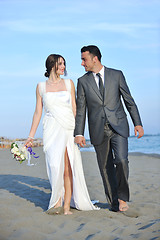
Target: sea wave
148,144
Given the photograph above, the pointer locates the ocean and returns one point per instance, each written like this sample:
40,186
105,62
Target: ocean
147,144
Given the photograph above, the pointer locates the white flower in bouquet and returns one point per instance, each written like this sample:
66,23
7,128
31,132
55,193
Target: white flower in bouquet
22,156
14,149
19,152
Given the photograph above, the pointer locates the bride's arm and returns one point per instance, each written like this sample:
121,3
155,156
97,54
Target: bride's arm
36,117
73,98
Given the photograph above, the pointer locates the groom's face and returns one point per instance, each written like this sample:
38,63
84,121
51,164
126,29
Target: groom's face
87,61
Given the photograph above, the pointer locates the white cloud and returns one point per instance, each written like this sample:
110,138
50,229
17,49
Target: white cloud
31,26
34,26
124,28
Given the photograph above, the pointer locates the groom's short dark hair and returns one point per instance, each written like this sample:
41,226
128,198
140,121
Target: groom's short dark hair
94,50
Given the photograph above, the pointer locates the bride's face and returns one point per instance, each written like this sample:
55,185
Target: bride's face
60,67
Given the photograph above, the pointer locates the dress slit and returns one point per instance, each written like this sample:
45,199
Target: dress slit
66,152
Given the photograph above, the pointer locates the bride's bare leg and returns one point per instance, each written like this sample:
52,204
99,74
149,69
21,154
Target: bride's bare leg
58,204
68,185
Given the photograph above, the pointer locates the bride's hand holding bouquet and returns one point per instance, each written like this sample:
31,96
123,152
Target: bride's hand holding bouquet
29,142
22,152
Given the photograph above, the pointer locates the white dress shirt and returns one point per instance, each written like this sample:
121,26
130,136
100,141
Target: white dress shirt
101,72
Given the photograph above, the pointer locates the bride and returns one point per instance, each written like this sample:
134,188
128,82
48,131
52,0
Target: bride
63,158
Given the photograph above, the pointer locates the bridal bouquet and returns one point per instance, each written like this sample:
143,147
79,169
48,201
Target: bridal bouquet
21,153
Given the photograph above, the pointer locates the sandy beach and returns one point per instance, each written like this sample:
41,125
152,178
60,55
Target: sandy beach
25,193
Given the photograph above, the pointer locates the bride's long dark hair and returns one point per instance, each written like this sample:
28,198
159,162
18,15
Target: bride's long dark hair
52,61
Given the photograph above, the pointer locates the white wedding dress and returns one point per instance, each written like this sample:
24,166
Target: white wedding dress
58,127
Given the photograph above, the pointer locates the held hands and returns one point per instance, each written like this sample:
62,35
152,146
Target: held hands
80,140
140,130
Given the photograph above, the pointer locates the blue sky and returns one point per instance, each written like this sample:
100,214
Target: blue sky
126,31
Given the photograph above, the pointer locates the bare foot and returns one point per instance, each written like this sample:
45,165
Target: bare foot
67,211
123,206
54,210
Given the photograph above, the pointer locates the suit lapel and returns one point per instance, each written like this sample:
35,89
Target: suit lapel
93,84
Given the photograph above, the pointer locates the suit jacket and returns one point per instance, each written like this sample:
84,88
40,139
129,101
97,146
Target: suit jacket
89,99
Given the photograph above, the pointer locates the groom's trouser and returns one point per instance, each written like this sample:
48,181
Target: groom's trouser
112,157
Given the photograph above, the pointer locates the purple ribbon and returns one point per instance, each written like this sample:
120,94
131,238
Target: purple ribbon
32,153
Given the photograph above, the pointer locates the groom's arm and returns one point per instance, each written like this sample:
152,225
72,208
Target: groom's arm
131,107
129,101
80,115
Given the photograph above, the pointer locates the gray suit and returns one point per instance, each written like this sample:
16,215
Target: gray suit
109,111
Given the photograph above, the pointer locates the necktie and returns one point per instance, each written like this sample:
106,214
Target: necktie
101,87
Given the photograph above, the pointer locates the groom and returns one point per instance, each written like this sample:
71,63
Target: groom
99,91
